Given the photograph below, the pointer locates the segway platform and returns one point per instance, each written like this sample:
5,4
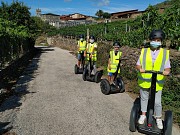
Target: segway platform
78,70
107,88
92,78
150,128
153,130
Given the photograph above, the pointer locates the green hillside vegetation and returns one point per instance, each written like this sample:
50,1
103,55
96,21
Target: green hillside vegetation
18,31
167,3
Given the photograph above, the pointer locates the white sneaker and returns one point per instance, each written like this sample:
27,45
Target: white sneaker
141,119
159,123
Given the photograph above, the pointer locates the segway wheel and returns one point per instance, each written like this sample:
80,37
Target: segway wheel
105,87
98,76
120,84
134,117
168,122
85,74
76,68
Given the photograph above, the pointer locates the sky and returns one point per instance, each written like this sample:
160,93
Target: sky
86,7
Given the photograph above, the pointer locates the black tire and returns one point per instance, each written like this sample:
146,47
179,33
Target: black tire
83,61
97,77
134,117
76,69
120,84
105,87
85,71
168,122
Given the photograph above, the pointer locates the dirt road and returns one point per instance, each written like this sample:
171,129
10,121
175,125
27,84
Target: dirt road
52,100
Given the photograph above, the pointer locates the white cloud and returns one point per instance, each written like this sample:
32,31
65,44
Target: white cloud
104,2
116,9
101,2
56,10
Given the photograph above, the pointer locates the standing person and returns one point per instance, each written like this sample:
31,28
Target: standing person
157,59
113,61
92,50
81,46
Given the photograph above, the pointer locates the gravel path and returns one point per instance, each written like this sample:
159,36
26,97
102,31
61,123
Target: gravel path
55,101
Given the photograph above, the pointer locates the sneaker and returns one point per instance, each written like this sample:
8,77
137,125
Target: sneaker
159,123
141,119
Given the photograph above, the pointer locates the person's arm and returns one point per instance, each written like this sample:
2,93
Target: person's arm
85,51
166,71
167,68
78,46
109,64
94,48
139,67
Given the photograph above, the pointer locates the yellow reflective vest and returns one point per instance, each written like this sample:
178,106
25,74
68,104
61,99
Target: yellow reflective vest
90,47
81,45
144,79
114,60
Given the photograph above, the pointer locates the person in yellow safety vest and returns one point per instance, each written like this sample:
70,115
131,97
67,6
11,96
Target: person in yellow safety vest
81,47
92,50
157,59
113,61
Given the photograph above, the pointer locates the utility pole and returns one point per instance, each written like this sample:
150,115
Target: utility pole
87,35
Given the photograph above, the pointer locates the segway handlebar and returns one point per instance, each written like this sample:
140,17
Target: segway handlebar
116,73
122,59
156,72
88,53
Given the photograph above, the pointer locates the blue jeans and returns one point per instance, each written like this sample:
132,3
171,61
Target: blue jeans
79,57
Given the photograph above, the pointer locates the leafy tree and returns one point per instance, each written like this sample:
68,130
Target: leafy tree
99,13
16,12
106,15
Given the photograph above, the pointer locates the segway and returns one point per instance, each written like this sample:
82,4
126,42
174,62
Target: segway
78,70
117,87
149,127
87,76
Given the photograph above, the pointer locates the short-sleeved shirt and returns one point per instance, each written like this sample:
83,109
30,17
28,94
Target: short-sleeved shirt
154,55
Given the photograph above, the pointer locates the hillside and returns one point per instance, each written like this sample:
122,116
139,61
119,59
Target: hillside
167,3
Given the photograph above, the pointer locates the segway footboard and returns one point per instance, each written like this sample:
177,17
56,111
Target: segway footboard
154,130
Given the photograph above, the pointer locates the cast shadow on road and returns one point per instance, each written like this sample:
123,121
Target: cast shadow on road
45,49
20,89
5,127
